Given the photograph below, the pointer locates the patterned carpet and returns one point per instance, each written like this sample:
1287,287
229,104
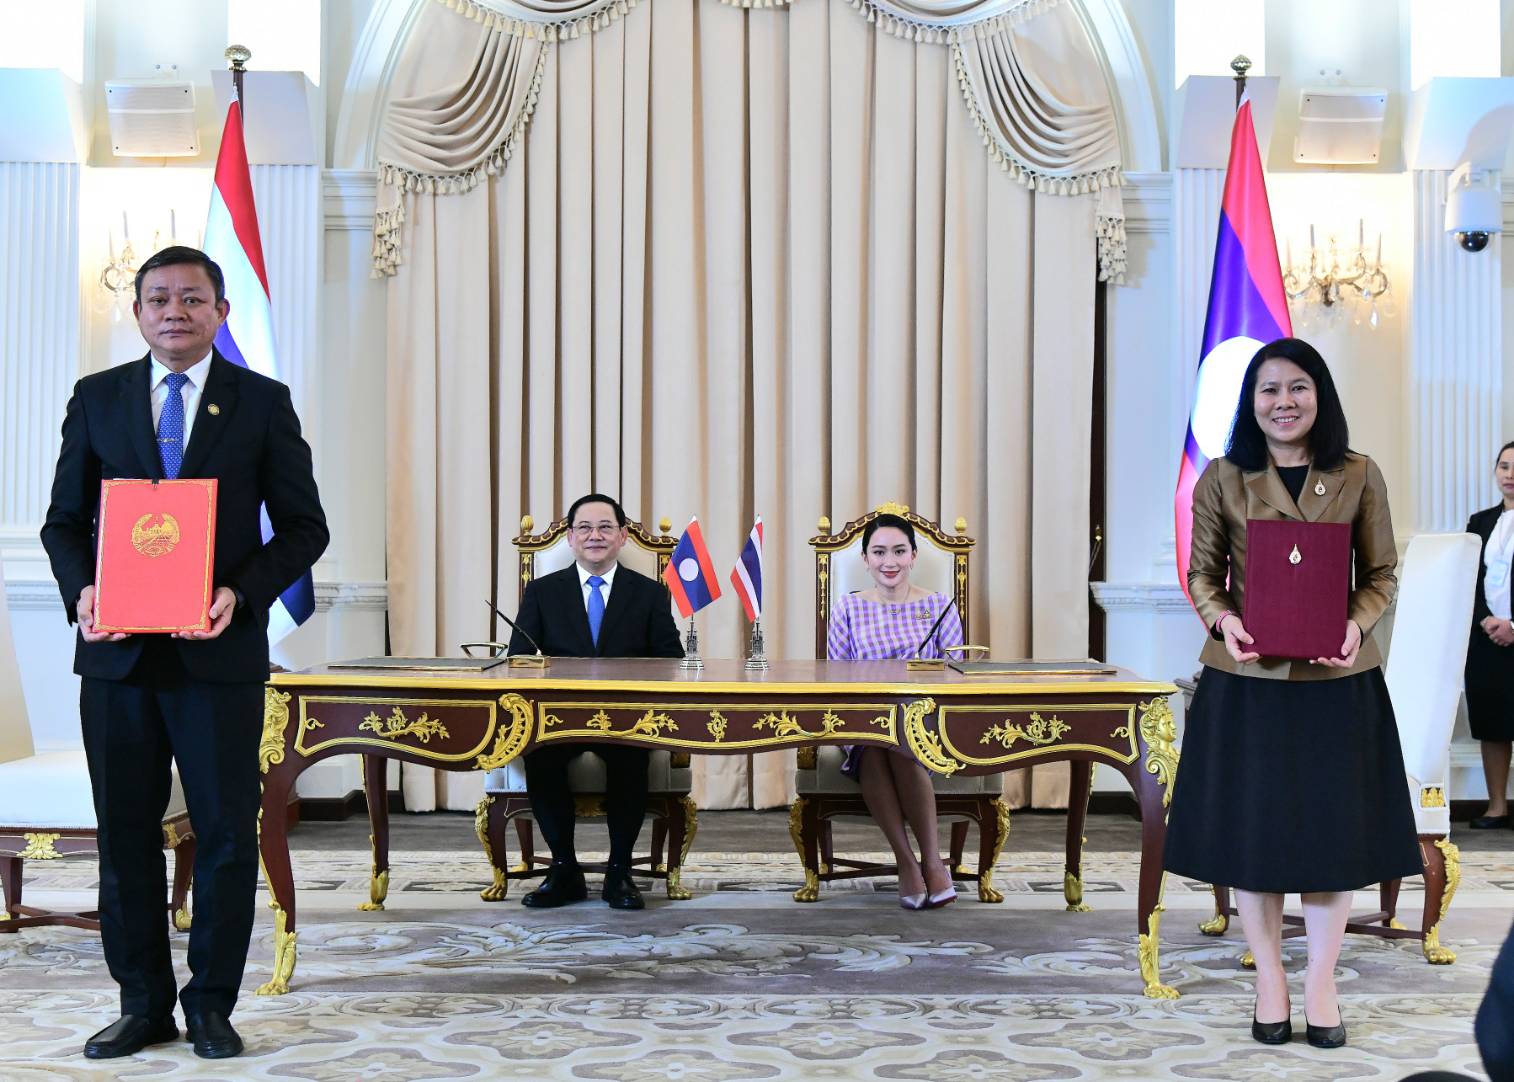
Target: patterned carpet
743,983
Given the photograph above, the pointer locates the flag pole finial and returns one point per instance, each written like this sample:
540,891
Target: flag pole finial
1240,65
237,56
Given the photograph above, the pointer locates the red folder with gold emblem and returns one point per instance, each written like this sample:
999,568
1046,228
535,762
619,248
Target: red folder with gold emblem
1298,583
157,548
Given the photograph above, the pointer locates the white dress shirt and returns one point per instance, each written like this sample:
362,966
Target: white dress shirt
1496,559
197,373
604,591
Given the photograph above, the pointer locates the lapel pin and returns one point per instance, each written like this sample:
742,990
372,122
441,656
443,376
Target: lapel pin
215,411
1319,486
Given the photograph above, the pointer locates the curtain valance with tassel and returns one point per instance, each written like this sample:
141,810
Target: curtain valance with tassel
1028,73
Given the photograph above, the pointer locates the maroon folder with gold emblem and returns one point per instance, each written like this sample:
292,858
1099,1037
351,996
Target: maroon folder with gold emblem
1298,581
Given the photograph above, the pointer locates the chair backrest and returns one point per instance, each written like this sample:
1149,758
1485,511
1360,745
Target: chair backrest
15,726
549,551
942,563
1426,658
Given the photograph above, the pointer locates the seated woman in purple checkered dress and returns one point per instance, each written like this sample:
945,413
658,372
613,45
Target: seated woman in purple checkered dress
883,623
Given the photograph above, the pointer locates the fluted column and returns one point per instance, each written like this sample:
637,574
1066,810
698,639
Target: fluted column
1453,383
289,219
39,332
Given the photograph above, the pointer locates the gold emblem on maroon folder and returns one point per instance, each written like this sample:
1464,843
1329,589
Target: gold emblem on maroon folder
155,535
1295,557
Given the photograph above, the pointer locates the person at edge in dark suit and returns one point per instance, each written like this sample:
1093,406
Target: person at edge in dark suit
1293,777
197,698
1490,653
596,608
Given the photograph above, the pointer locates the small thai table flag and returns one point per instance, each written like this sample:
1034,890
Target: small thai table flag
690,573
747,575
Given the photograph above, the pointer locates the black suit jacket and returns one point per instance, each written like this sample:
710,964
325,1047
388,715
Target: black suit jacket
637,623
1482,524
251,445
1495,1019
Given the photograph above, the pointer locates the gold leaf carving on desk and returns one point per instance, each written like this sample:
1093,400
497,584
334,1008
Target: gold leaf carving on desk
40,846
397,726
717,725
511,738
600,721
926,744
275,722
1040,731
652,724
785,726
1160,732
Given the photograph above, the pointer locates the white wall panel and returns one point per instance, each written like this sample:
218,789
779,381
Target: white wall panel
39,314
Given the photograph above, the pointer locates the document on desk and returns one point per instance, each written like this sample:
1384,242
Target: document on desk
421,664
1028,667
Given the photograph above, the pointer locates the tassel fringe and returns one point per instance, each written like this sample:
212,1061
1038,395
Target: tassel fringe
599,17
1113,253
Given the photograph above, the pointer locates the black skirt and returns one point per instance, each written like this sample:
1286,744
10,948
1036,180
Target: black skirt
1490,688
1291,787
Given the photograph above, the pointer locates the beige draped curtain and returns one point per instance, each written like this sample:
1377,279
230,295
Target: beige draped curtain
741,262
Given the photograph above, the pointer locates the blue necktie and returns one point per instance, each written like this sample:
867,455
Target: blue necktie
171,426
596,607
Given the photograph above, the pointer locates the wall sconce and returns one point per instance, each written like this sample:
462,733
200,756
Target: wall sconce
119,275
1327,282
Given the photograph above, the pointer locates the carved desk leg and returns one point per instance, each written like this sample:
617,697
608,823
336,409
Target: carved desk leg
376,789
991,843
1217,924
273,835
1442,862
1152,777
1077,818
680,839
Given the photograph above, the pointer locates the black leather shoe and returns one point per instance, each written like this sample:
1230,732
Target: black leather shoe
1325,1036
564,884
212,1035
1272,1032
130,1034
1489,822
619,891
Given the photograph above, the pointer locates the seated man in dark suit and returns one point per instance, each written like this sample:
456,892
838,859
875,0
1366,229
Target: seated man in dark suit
596,608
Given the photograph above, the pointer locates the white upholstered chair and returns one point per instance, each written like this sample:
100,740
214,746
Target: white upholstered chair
823,791
47,811
1427,654
669,774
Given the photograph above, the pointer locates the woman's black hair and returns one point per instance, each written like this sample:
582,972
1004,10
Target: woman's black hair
1501,450
901,524
1328,439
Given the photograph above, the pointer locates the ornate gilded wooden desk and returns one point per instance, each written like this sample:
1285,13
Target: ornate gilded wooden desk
949,722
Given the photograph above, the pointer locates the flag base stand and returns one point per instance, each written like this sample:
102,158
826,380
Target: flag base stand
691,659
756,660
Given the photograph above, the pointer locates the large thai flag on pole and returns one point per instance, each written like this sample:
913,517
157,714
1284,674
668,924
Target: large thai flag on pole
246,338
1247,309
747,575
690,573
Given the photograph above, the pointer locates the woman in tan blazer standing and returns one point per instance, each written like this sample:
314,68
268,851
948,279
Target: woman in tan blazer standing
1292,779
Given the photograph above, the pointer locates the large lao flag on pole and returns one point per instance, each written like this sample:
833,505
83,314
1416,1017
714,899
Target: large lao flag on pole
246,338
1247,309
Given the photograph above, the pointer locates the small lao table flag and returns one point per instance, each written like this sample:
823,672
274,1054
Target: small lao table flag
156,555
690,573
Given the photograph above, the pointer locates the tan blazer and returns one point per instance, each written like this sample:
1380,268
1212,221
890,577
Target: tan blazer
1226,496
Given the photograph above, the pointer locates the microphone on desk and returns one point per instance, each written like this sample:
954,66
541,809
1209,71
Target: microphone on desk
537,660
935,627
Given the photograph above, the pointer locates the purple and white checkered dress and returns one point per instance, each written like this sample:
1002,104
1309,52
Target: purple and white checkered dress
862,630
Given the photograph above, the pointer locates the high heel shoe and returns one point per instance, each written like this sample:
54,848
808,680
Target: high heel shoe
1325,1036
1271,1032
912,901
946,897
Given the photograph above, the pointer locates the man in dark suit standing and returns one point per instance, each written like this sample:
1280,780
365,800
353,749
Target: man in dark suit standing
197,698
596,608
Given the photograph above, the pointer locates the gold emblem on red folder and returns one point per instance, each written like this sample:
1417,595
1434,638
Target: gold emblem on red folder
155,535
1295,557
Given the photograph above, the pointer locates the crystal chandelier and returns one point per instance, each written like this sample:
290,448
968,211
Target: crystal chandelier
1334,280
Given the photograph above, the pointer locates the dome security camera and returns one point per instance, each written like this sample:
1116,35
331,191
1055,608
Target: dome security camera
1473,208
